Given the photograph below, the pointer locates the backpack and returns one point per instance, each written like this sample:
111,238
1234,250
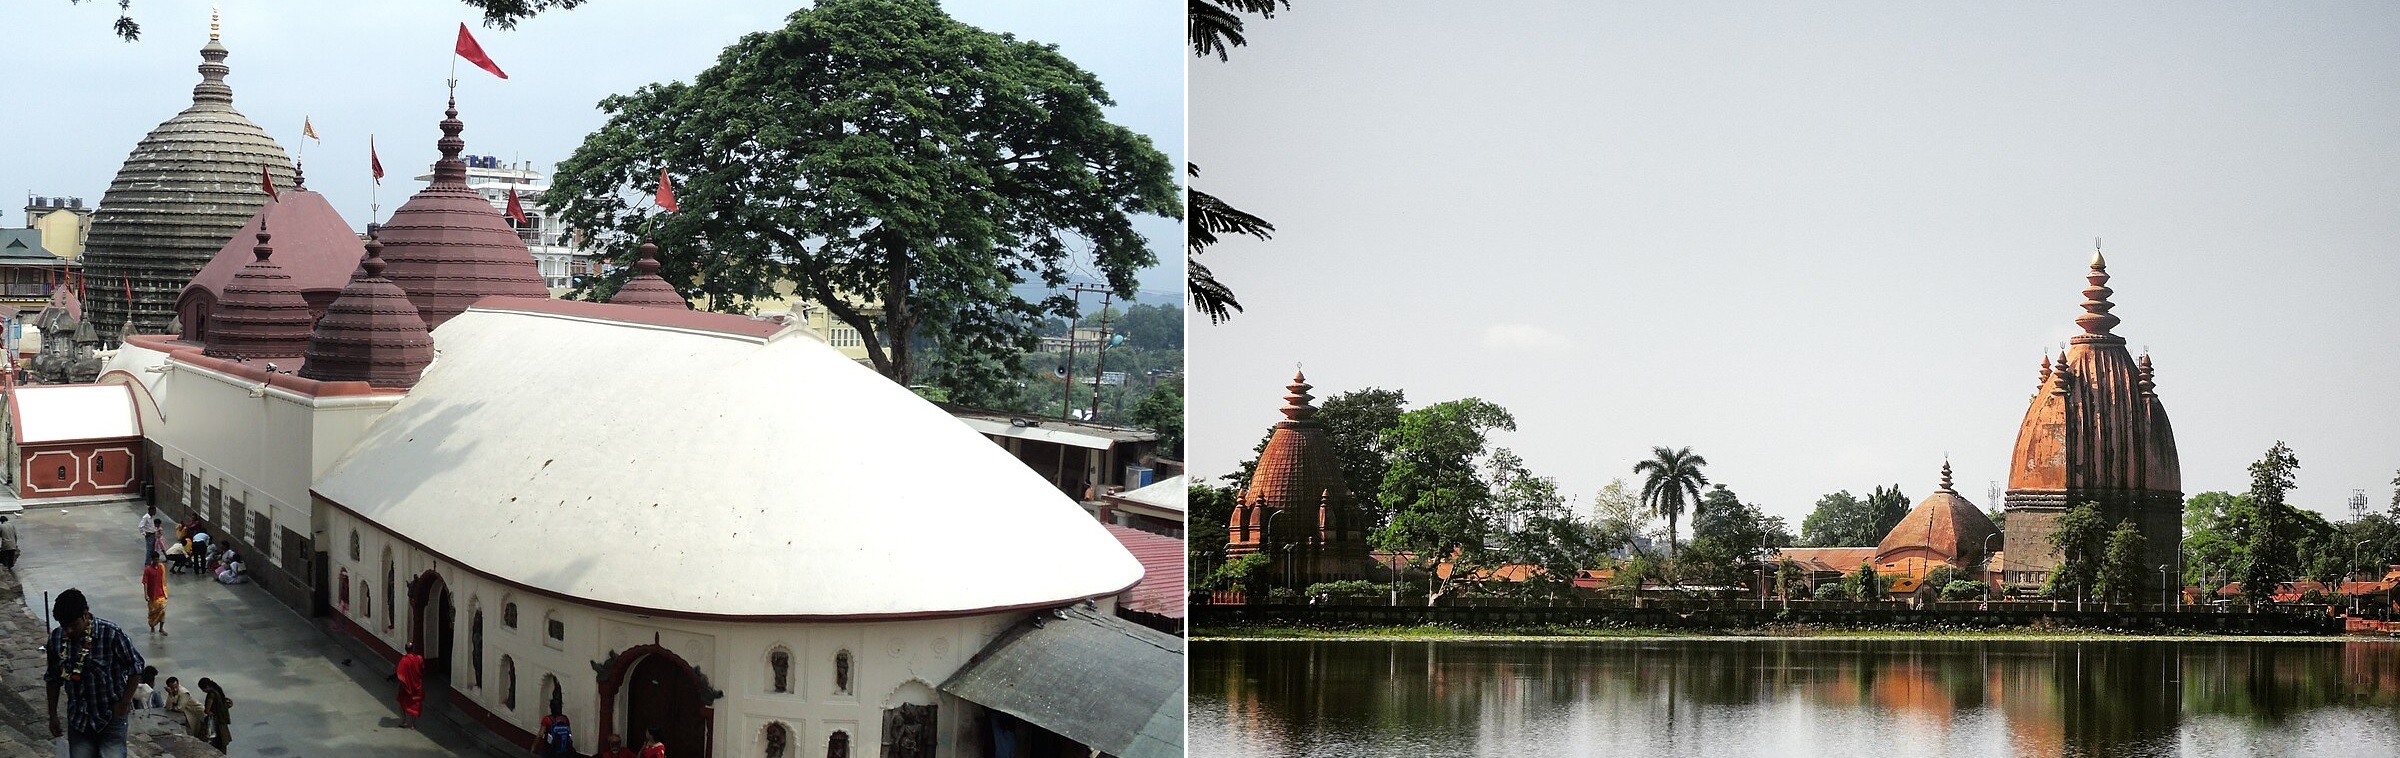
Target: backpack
561,737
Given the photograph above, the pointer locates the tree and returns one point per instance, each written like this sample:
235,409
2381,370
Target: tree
1618,518
1440,504
877,154
2268,529
1152,327
1673,479
500,13
2080,540
1539,531
1209,515
1843,520
1216,28
1162,411
2124,571
2208,537
1886,507
1728,536
1864,584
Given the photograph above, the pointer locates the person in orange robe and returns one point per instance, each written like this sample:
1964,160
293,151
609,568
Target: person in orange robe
154,587
411,674
652,746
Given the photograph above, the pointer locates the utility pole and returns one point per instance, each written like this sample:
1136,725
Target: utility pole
1066,373
1101,361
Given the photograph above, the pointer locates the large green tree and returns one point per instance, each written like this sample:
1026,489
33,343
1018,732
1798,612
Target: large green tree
1161,411
1728,538
2208,537
1671,480
1208,515
900,168
1439,501
2268,530
1845,520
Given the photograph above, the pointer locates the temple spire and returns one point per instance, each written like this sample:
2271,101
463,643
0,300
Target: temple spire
1295,404
2096,320
1946,477
2148,384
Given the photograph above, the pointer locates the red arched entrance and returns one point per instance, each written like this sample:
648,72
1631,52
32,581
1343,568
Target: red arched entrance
431,617
660,690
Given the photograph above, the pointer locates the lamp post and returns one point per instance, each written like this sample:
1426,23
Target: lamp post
1986,568
2162,586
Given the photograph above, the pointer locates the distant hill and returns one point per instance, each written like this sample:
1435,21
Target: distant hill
1091,302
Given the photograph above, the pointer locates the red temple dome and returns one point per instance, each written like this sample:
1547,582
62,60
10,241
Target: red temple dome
646,288
371,333
1296,506
447,247
263,314
317,250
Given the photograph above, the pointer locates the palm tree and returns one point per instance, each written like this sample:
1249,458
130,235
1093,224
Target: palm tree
1674,479
1216,28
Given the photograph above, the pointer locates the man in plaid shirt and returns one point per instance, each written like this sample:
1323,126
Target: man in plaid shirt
96,665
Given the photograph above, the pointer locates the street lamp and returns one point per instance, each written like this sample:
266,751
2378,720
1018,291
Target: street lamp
2162,586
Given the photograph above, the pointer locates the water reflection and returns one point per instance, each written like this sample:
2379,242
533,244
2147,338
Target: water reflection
1795,697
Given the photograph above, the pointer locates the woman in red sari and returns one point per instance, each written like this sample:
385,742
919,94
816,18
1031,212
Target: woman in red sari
411,674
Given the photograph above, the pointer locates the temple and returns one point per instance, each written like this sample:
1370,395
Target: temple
1297,509
1944,529
2095,433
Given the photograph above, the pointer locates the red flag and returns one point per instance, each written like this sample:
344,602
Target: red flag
666,191
474,53
374,162
267,183
515,210
128,292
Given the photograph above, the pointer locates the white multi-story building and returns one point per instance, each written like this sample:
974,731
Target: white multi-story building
561,261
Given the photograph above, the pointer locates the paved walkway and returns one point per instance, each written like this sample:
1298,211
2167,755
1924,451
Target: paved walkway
296,690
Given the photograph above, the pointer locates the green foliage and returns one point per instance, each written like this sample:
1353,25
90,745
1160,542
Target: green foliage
2269,530
1962,589
1672,480
1942,576
1540,531
1152,327
2209,537
1347,588
1440,504
1249,574
1162,411
2124,572
1841,590
1865,584
878,154
2081,540
1617,517
1209,513
1216,29
1728,537
1844,520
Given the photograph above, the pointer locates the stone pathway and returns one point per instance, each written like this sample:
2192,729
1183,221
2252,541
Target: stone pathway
296,690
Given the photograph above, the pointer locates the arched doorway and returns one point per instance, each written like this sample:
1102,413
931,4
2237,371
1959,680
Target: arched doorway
431,618
658,689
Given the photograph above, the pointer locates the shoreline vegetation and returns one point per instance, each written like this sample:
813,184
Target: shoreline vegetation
1562,633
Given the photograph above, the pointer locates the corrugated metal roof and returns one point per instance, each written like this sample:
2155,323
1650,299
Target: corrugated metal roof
1038,433
72,412
1161,589
1099,680
1169,493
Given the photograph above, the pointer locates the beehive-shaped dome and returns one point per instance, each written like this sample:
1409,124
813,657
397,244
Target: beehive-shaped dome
647,289
182,192
371,333
313,245
262,315
447,247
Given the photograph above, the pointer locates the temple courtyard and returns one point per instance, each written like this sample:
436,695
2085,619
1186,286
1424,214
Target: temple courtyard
297,690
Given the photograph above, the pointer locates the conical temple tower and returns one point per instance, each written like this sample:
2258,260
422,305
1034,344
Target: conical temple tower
2096,433
371,333
647,288
184,190
446,247
263,315
1297,509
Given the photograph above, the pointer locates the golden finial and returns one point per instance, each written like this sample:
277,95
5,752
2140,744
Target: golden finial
212,21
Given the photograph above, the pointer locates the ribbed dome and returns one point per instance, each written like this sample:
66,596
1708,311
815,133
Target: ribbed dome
312,244
1943,527
1297,497
262,315
646,288
185,189
371,334
447,247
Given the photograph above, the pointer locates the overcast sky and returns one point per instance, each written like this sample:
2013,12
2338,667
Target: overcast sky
1821,247
80,98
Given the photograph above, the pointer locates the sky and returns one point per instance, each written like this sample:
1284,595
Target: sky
1824,248
358,69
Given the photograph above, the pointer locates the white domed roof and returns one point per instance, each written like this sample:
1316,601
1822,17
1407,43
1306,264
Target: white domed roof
709,465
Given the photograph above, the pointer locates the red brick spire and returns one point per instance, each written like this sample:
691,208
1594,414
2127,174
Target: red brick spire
448,247
371,334
263,315
2096,320
646,288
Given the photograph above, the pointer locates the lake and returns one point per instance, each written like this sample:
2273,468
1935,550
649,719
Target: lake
1797,697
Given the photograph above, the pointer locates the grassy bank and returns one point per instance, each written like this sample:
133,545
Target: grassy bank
1771,631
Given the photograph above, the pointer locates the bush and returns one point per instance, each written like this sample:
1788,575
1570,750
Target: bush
1247,574
1348,588
1834,591
1962,589
1943,576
